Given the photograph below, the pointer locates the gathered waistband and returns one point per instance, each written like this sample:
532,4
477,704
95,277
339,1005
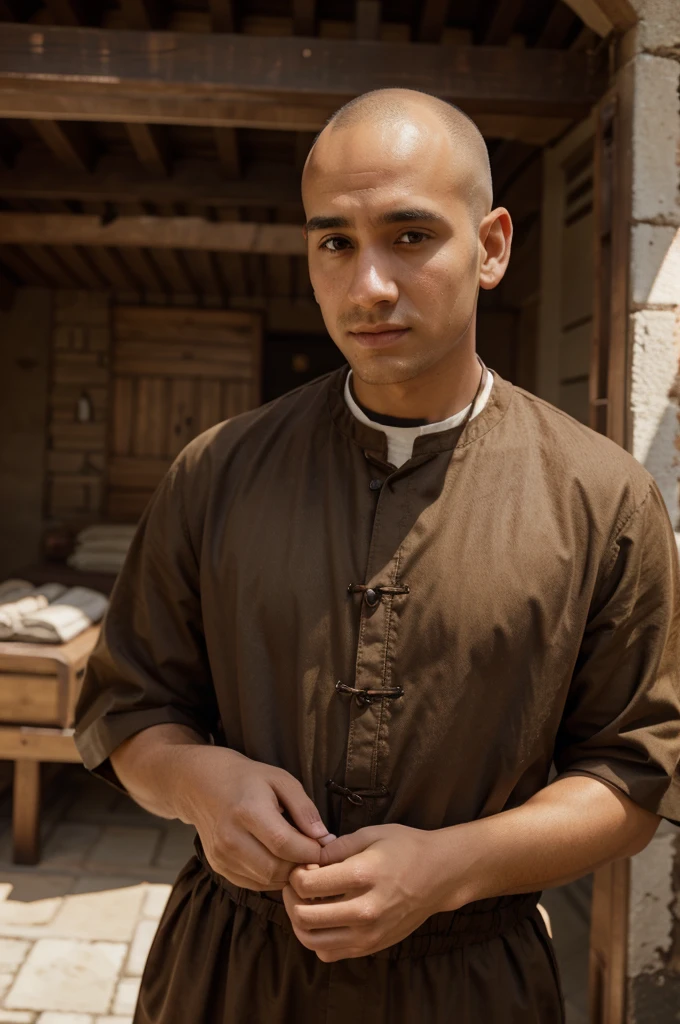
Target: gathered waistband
474,923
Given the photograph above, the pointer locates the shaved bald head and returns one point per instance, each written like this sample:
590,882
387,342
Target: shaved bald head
401,236
388,109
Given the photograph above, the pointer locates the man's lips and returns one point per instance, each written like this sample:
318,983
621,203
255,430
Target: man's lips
378,337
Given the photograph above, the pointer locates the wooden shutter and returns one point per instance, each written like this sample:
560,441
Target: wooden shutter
567,273
175,372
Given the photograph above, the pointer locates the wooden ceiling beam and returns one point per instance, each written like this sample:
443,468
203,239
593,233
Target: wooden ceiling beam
69,143
150,232
151,145
304,17
222,15
90,74
142,14
605,16
122,180
432,21
367,20
226,143
558,27
503,22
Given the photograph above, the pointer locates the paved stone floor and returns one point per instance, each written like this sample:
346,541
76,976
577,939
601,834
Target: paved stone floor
75,930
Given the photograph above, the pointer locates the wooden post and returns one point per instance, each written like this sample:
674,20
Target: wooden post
26,812
609,943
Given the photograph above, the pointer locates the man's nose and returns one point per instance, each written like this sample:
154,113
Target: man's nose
372,282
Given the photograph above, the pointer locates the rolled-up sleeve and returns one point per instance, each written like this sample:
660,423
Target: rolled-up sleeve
150,665
621,722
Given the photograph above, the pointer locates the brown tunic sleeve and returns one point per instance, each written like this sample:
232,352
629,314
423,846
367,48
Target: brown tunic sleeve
621,722
150,664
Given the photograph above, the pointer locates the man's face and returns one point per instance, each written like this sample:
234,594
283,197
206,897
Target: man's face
394,246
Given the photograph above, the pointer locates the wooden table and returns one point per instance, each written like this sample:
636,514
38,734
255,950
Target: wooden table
39,686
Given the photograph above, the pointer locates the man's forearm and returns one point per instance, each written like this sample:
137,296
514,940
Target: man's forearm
150,765
566,830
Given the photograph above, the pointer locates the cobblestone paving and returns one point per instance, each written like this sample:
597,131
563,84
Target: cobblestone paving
75,930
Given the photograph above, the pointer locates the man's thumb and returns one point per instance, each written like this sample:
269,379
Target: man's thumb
345,846
302,810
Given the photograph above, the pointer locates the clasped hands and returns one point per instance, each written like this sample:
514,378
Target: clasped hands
346,897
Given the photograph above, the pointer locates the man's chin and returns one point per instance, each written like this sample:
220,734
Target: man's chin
384,369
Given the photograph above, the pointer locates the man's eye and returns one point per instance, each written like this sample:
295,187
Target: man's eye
335,244
413,237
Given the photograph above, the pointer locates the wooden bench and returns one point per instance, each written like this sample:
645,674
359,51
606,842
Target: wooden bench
39,686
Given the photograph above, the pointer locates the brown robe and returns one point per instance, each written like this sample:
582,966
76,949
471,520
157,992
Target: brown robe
523,608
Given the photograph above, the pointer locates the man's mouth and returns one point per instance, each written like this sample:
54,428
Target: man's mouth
378,335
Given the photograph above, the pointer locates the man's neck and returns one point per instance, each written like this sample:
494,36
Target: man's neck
428,398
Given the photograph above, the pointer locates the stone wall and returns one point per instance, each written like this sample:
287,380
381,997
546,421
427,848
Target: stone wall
651,55
76,453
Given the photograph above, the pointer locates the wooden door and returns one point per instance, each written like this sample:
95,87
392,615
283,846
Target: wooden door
175,372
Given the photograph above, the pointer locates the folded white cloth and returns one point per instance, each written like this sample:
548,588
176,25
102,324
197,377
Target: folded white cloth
12,590
106,531
108,545
65,618
11,613
97,561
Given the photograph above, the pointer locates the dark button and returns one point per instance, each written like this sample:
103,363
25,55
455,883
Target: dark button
371,597
375,485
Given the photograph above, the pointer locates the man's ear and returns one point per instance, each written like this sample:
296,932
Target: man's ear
495,235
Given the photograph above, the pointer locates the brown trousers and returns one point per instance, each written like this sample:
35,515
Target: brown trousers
224,955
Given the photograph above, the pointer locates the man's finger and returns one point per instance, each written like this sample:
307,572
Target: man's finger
282,840
335,880
347,846
302,810
355,912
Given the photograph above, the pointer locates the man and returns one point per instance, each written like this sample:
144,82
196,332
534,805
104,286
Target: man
379,608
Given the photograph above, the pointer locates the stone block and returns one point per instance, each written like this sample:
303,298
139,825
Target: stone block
64,974
64,1018
177,845
139,949
126,995
68,846
109,913
18,1017
125,847
656,139
659,28
156,898
114,1020
655,265
31,902
12,953
654,366
6,980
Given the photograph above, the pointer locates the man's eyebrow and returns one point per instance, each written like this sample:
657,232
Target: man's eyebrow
409,213
325,223
401,216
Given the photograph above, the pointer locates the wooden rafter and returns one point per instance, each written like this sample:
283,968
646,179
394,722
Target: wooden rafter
557,28
432,20
222,15
89,74
503,22
68,141
367,22
122,180
142,14
605,16
152,232
150,143
226,142
304,17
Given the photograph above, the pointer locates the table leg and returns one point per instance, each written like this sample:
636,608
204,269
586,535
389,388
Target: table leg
26,812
